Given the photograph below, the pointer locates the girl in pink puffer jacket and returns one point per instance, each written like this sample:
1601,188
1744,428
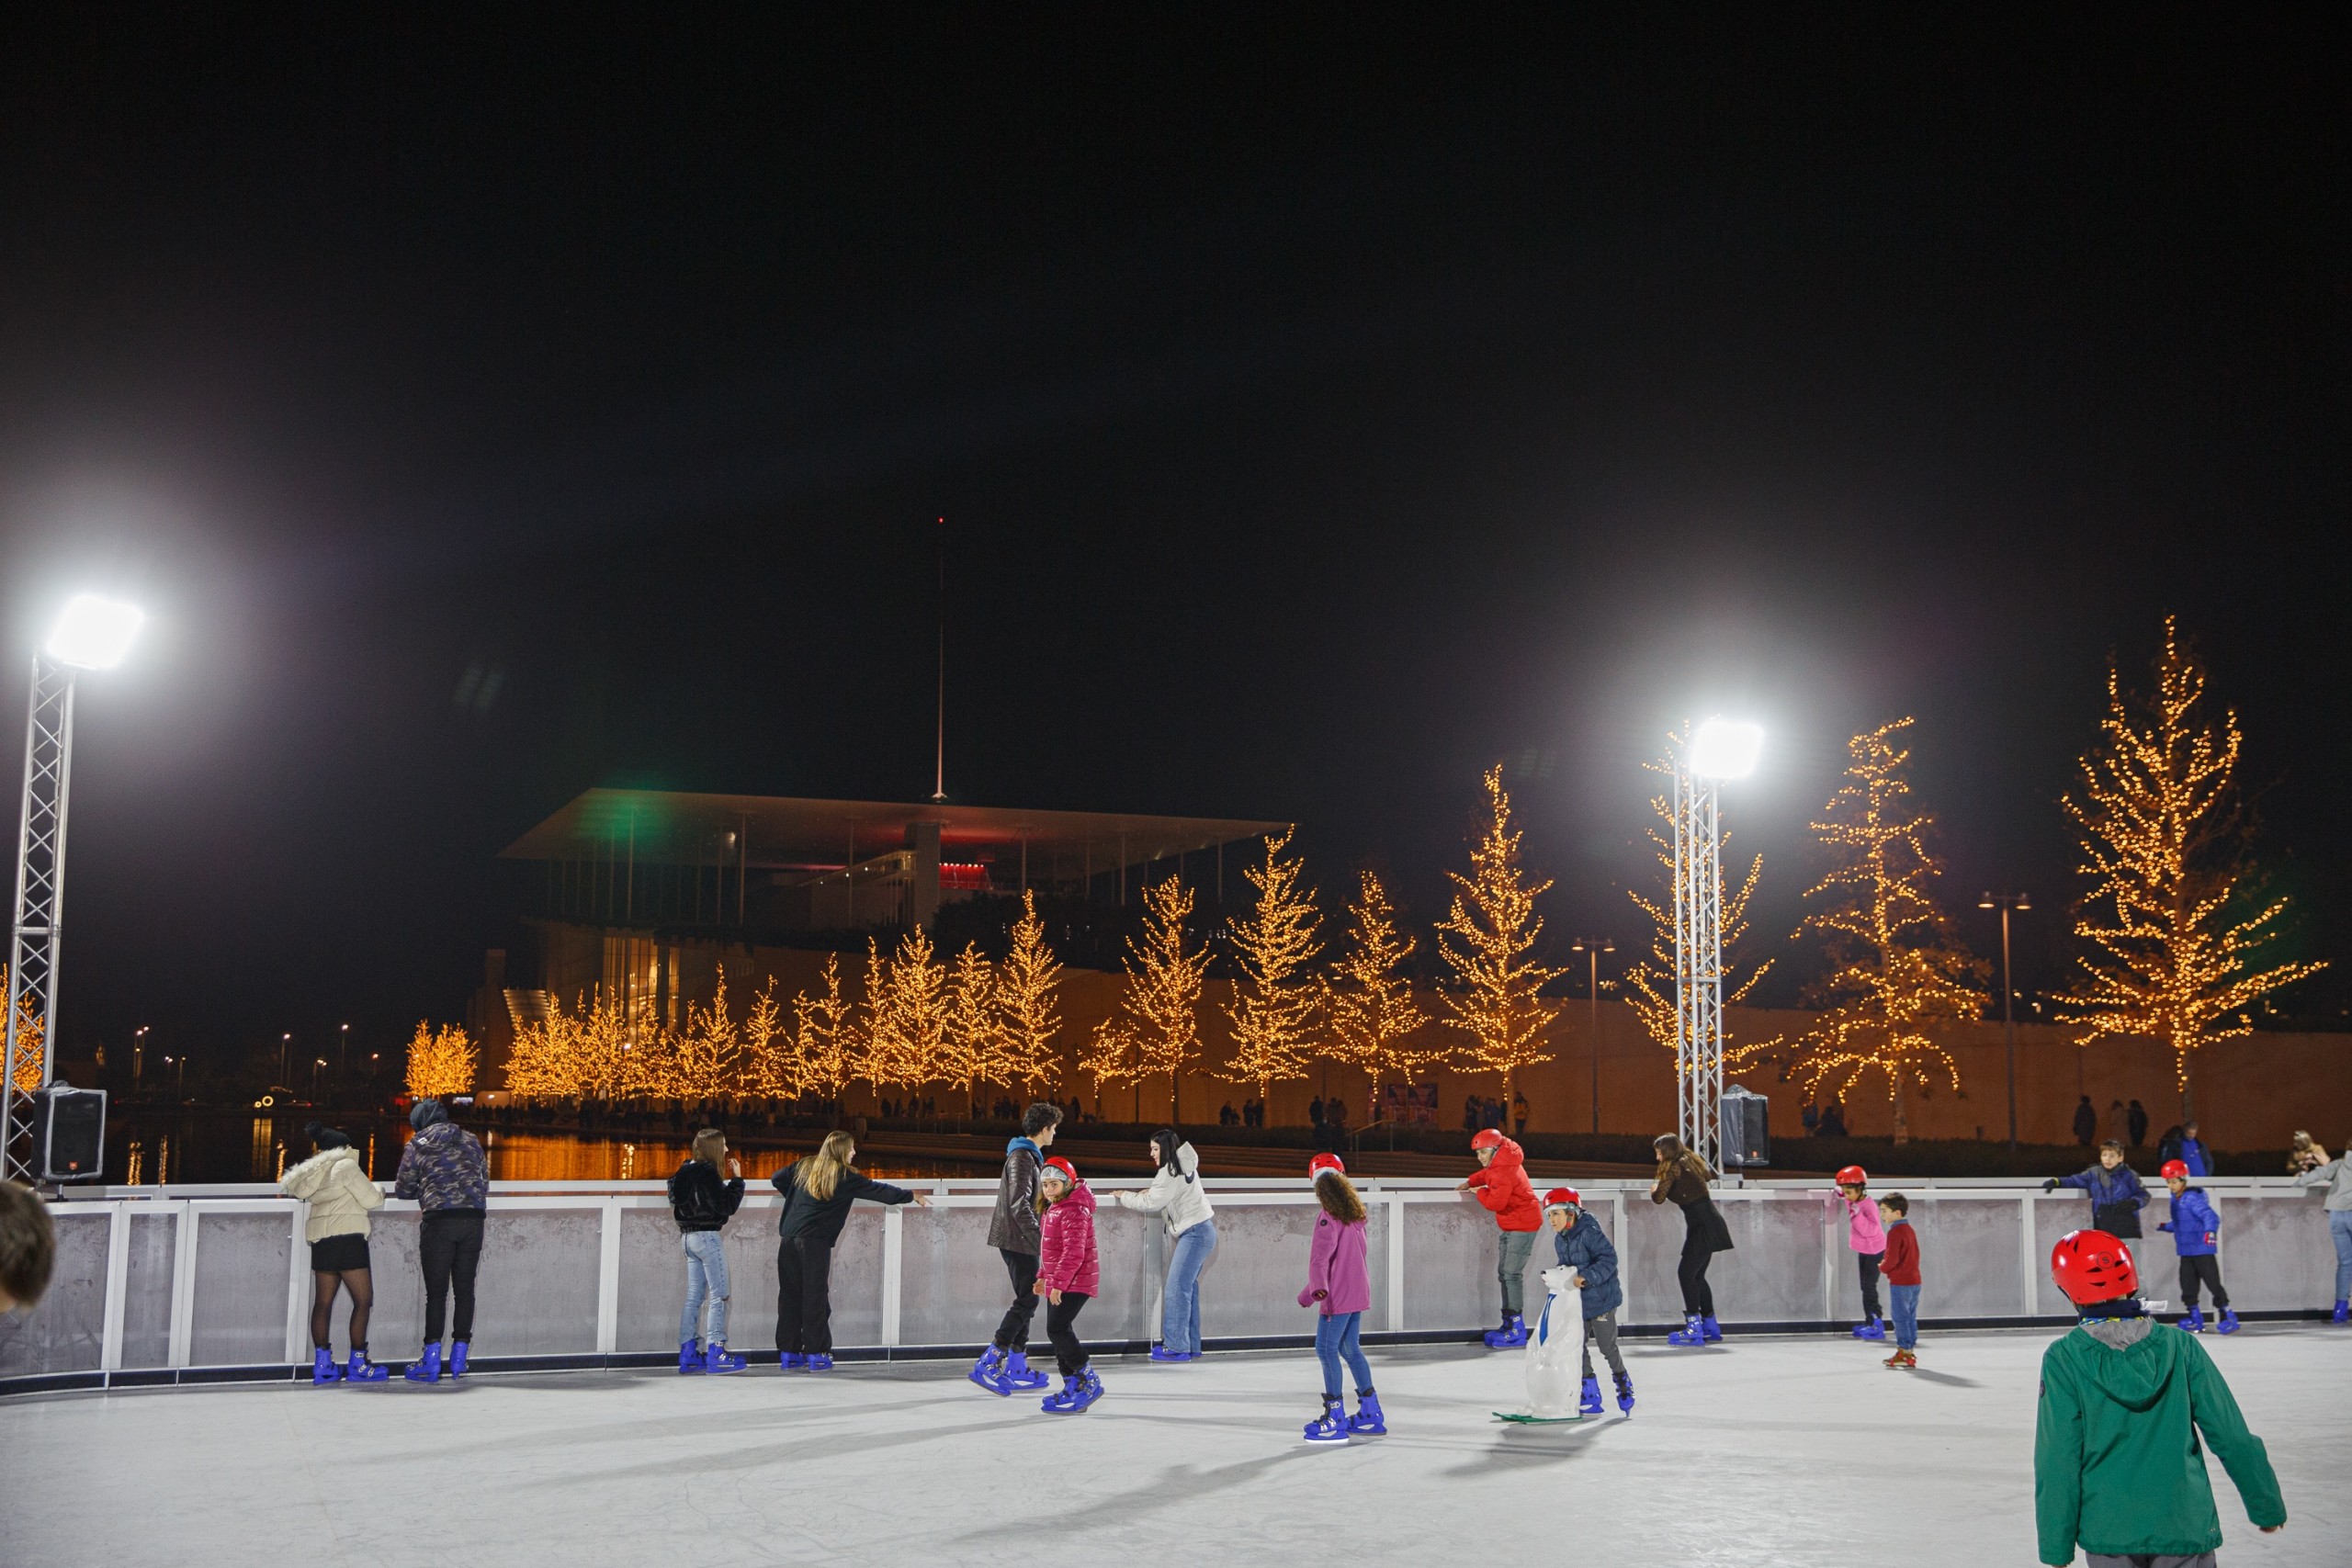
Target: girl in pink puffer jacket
1339,1285
1069,1272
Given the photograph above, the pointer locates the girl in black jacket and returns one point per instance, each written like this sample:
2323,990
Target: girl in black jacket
818,1191
702,1204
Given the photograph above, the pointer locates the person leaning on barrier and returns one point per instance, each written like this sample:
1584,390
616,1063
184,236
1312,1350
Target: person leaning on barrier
443,1170
27,1248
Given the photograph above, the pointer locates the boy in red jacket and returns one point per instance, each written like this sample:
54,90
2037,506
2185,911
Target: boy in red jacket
1900,1269
1503,1186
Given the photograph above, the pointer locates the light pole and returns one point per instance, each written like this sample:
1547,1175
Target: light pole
2008,903
343,1054
91,632
318,1070
138,1056
1720,748
1593,947
285,1061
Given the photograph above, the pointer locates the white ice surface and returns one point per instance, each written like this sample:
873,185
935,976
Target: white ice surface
1762,1452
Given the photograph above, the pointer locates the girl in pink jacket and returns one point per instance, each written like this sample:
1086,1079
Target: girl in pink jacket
1339,1285
1069,1272
1866,1234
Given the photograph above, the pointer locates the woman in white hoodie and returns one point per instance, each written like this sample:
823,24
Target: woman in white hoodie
1175,1195
340,1195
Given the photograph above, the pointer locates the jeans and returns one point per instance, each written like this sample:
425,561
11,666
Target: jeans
1511,1266
2339,1229
2205,1268
1061,1327
705,1278
1867,1264
1179,1313
804,1297
1012,1333
1906,1316
1338,1334
450,1247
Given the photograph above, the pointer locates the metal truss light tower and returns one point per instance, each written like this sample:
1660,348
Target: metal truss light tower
1719,750
91,634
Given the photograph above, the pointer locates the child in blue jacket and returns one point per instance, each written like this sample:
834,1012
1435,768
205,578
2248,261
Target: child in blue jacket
2196,1236
1579,1242
2113,1189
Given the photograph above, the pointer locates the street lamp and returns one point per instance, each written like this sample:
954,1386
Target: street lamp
318,1066
284,1059
91,632
1593,947
138,1055
2008,903
1720,748
343,1054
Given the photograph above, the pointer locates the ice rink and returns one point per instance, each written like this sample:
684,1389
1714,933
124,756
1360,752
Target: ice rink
1797,1451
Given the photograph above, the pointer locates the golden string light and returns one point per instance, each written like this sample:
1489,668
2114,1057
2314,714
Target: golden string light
1497,999
1275,1001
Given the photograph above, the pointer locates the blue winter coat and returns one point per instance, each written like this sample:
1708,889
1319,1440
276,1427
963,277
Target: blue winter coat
1583,1247
2116,1198
2193,1156
2196,1228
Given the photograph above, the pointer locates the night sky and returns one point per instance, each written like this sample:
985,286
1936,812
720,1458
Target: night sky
1321,408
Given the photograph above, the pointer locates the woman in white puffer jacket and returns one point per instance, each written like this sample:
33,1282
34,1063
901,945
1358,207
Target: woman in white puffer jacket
1176,1195
336,1185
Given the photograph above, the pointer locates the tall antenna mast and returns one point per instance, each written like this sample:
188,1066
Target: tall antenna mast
939,751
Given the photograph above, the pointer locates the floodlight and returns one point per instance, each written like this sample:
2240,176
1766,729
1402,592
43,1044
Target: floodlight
1726,748
94,633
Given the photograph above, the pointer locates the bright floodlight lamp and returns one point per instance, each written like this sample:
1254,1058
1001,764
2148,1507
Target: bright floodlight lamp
1726,748
94,633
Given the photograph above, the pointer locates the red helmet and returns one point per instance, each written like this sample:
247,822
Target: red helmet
2173,1167
1321,1162
1559,1195
1853,1175
2092,1266
1486,1138
1069,1171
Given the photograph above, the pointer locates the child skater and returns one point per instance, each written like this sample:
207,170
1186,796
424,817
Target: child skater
702,1204
1070,1272
2113,1189
818,1191
1013,1231
2118,1465
2196,1237
1339,1286
1682,1180
1579,1242
1901,1269
1502,1187
1867,1235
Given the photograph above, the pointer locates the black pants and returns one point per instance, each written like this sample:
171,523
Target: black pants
1012,1333
1692,1272
1061,1318
2207,1268
1869,1262
449,1247
804,1297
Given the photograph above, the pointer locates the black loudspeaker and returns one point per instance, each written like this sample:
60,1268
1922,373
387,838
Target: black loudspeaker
69,1132
1748,1134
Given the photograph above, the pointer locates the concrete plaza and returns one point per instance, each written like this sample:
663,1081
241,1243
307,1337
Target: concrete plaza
1800,1451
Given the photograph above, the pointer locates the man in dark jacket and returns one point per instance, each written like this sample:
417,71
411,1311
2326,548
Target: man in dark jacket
1014,1232
1579,1242
443,1172
2113,1189
2085,1121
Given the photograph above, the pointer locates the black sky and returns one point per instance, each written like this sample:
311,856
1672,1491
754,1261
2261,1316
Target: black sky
1322,408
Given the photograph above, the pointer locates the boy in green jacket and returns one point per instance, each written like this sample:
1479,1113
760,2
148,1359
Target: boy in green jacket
2116,1461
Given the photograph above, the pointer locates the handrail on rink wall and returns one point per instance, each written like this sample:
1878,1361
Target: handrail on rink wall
1985,1245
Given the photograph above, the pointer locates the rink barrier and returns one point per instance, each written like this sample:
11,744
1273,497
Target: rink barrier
170,1286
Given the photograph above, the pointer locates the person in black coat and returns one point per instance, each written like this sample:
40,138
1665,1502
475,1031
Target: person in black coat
818,1191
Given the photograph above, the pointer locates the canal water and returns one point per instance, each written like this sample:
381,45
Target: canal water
149,1148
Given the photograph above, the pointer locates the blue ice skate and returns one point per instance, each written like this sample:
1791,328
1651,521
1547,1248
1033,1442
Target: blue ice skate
1163,1355
1692,1332
1019,1373
987,1371
2191,1322
322,1368
1874,1329
1707,1326
1078,1389
1369,1421
1589,1402
817,1361
362,1370
1331,1426
2229,1323
717,1362
689,1356
427,1367
458,1350
1625,1393
1509,1336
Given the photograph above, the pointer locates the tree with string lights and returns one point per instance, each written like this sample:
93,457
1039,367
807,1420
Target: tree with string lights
1275,999
2174,939
1028,1011
1895,967
704,1056
1157,1029
440,1062
1488,939
30,1028
905,1023
825,1047
1368,997
967,1041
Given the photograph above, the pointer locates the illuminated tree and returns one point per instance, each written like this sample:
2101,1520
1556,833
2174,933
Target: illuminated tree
1894,967
769,1069
1649,984
1027,1005
967,1044
28,1037
1275,1001
1369,999
2163,837
440,1063
1497,998
1158,1029
906,1021
547,1058
703,1059
824,1042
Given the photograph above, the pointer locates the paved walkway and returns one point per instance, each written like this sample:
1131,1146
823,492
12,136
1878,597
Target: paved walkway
1801,1453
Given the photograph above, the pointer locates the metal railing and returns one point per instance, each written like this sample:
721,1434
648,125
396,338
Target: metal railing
200,1283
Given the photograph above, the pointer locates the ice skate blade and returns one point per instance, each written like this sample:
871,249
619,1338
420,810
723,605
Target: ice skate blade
1518,1420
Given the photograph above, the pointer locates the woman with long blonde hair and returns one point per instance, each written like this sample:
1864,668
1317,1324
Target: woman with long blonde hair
818,1191
1683,1180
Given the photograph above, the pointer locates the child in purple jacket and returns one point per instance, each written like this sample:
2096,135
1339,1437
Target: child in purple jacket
1338,1281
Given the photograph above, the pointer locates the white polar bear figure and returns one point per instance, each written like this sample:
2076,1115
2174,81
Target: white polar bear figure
1555,1350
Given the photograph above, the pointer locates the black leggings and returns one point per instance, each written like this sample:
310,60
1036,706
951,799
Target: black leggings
804,1297
361,1284
1012,1333
1697,1299
2205,1268
450,1249
1061,1318
1868,1263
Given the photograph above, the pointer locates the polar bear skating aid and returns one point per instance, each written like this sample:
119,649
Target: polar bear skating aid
1554,1352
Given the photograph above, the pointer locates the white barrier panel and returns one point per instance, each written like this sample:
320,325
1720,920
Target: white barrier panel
151,1282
